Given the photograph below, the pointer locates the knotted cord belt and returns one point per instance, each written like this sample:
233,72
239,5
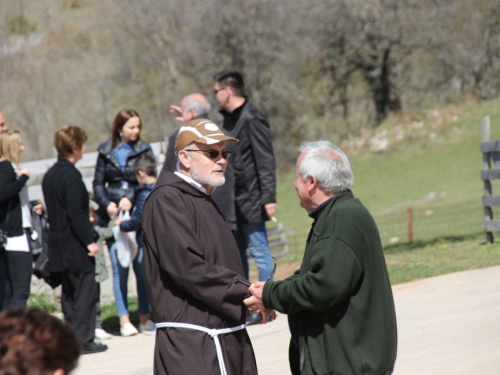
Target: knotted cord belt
213,333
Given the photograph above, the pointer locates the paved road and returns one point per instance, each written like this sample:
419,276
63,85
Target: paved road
448,324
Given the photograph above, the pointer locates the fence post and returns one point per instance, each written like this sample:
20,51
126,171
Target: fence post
410,224
488,210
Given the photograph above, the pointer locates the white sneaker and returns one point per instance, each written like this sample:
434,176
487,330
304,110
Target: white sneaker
149,328
128,330
101,334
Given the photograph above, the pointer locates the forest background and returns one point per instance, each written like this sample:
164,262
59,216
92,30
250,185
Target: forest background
332,69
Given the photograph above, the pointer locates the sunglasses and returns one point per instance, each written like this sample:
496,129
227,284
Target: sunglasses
214,154
270,276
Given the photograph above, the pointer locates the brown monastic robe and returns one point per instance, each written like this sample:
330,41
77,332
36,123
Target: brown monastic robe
191,266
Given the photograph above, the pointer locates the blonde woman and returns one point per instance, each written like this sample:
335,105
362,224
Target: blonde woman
15,219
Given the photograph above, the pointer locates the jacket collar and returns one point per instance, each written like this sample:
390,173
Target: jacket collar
320,219
170,179
106,148
64,162
231,118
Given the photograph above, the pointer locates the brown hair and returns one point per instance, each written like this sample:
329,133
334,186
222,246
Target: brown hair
146,163
68,139
10,146
121,118
233,79
33,342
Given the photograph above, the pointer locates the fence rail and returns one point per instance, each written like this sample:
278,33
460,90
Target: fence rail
428,222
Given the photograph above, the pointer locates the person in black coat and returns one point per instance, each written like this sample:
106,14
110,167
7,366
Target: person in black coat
16,257
72,249
115,186
256,204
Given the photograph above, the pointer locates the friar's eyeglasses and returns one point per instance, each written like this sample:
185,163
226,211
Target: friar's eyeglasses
214,154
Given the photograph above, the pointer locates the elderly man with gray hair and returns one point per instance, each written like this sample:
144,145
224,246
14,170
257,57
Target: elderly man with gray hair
339,303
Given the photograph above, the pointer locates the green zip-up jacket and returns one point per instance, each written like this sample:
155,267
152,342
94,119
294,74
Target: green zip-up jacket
339,304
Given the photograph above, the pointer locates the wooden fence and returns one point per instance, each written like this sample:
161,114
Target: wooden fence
490,171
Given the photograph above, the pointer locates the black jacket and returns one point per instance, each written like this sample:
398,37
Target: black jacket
10,186
70,230
224,195
250,126
108,176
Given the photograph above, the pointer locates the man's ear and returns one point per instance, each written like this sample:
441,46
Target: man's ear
183,159
312,183
59,372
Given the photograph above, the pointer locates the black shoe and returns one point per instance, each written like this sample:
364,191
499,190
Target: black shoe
94,347
253,319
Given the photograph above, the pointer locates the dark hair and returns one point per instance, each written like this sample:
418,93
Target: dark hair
121,118
233,79
68,139
146,163
33,342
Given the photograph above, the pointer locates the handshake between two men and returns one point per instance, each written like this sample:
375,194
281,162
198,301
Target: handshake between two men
255,304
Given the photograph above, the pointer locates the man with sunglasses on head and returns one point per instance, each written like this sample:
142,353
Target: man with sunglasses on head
339,303
256,204
193,270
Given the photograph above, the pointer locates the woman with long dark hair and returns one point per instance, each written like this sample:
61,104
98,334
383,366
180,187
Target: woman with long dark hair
15,220
114,188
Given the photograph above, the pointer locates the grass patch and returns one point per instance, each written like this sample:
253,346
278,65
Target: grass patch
43,301
412,261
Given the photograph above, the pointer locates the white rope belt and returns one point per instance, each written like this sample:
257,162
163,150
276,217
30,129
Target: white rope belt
213,333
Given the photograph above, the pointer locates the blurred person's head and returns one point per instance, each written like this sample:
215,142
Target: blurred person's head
3,127
145,169
194,105
229,89
11,146
69,142
200,147
33,342
322,170
126,127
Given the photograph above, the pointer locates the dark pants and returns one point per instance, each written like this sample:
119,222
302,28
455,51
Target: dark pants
18,267
78,301
2,276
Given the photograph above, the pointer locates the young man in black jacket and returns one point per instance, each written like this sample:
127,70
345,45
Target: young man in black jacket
257,203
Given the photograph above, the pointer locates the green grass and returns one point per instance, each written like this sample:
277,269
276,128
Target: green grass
411,261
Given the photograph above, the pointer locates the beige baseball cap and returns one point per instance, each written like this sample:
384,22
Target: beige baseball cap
201,131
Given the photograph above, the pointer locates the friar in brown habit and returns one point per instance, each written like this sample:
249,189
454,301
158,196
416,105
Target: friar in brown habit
192,264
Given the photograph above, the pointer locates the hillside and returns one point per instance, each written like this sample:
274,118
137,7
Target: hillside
435,165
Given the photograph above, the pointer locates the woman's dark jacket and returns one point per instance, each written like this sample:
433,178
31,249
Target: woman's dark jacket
108,176
70,229
135,222
10,186
250,126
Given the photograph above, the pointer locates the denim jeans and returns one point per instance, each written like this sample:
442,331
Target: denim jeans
120,281
254,237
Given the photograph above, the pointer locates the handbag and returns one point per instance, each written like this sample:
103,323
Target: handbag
126,245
